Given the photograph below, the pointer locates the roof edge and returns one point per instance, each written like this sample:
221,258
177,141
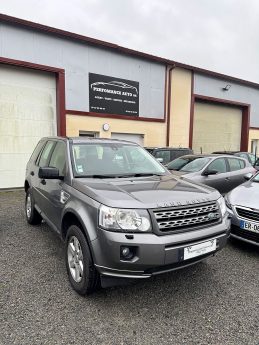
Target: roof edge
70,35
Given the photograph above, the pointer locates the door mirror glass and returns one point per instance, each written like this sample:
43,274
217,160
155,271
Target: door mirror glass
49,173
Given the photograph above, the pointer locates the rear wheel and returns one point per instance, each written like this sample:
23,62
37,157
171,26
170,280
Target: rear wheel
32,215
82,274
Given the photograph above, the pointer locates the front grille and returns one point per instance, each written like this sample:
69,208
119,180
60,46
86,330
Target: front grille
249,235
187,217
248,214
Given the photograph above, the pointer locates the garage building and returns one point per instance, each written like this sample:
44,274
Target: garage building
53,82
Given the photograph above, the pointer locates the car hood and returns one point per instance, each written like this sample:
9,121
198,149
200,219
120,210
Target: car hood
145,192
247,194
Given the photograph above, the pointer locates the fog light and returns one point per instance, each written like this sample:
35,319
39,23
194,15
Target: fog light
127,253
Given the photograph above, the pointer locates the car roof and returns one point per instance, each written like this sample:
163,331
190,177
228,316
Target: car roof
166,148
81,140
229,152
209,155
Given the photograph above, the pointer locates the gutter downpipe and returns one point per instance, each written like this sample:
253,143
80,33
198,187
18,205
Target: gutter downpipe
169,105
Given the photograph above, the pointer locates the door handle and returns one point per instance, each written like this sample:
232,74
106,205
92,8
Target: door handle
43,182
227,179
32,173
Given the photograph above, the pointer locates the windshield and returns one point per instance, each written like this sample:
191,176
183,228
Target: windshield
113,160
256,178
188,164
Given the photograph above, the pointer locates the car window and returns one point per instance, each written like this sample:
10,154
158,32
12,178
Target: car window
235,164
165,154
219,165
45,155
114,159
195,165
58,158
252,158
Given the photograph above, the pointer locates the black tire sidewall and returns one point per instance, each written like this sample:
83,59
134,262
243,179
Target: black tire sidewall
34,218
88,282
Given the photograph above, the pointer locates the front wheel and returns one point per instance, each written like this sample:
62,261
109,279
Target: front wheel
82,274
32,215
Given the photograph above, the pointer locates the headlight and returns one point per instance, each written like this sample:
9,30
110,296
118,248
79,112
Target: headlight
228,202
124,219
222,206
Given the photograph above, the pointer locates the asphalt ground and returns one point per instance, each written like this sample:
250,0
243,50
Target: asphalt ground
214,302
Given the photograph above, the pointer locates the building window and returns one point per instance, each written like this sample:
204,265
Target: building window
88,134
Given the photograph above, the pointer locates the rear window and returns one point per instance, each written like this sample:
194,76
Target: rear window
235,164
164,154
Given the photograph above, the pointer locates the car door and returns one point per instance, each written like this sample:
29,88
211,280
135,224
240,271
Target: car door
220,181
52,189
38,184
237,168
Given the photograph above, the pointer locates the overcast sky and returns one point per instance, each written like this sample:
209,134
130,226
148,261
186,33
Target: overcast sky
220,35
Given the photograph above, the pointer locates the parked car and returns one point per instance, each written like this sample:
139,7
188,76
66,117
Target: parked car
222,172
166,154
121,213
243,206
249,156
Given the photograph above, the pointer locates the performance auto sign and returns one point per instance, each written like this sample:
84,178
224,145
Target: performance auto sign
113,95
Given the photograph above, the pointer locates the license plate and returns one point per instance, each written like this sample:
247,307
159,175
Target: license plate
200,249
249,226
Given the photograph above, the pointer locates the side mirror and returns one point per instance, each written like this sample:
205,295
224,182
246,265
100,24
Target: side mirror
248,176
210,172
49,173
160,160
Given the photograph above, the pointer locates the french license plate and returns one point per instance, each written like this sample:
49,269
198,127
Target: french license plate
199,249
249,226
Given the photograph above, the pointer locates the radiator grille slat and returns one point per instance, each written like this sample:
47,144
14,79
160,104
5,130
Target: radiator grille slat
186,217
248,214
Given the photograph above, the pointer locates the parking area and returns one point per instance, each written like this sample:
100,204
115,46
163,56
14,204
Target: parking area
214,302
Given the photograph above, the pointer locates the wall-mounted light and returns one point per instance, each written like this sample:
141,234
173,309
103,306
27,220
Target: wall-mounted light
226,88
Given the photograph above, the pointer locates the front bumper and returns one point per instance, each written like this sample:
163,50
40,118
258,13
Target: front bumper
153,254
241,234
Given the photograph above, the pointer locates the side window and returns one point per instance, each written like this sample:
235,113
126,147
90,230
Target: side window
219,165
163,154
235,164
58,158
44,158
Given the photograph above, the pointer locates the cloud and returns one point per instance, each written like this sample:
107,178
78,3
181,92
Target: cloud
218,35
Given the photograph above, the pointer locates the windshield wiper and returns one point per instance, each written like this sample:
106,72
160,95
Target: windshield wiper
142,174
117,176
96,176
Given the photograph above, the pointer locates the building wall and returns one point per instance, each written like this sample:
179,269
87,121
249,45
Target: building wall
212,87
154,133
78,59
254,135
181,84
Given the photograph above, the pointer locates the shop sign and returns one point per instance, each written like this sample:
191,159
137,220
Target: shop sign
111,95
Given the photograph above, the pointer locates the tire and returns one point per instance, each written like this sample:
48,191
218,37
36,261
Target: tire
32,215
82,274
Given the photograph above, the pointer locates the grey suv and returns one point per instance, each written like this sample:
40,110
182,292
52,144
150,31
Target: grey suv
120,212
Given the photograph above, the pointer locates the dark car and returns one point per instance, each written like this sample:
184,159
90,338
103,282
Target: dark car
121,213
222,172
243,206
246,155
166,154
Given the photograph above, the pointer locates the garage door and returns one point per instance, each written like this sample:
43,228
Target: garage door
27,113
216,127
136,138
